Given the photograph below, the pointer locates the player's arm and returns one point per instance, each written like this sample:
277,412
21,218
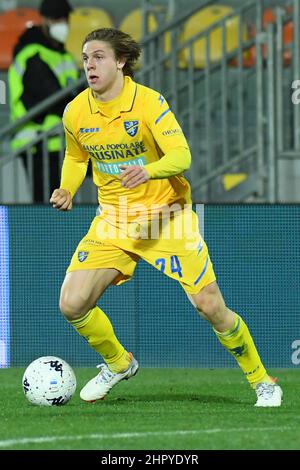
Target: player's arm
170,139
169,136
73,170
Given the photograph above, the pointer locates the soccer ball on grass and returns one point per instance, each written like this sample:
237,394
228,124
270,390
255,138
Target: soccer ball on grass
49,381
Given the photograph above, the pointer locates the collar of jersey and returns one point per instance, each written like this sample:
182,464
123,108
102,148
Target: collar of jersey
126,104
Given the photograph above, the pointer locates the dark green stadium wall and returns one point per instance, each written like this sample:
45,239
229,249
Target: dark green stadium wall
256,255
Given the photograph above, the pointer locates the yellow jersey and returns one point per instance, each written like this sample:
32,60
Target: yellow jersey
136,128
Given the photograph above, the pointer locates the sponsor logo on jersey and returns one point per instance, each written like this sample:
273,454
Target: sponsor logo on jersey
82,255
161,100
115,151
171,132
86,130
114,168
131,127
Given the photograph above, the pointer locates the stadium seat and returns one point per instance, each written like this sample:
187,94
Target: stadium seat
82,22
269,17
232,180
202,20
132,24
12,25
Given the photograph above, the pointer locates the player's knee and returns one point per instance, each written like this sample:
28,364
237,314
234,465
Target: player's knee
209,305
209,302
72,307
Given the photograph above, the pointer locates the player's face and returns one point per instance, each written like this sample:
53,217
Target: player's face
100,65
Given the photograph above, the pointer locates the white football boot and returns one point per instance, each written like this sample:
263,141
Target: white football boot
268,394
99,386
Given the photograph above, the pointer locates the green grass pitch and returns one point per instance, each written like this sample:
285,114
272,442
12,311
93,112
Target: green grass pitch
175,409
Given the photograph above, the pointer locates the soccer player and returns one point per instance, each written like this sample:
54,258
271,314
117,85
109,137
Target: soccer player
138,153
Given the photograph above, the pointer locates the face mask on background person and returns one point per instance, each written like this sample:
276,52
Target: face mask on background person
59,31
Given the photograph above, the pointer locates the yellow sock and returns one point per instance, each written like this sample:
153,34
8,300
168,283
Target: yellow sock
96,328
238,341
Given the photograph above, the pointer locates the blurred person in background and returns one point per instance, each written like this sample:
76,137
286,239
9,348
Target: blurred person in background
41,67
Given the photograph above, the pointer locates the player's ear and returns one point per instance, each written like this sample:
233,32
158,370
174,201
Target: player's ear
121,62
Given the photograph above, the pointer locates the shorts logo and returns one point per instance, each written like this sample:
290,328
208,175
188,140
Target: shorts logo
82,255
131,127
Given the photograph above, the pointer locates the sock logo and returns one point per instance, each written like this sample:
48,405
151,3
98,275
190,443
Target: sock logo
251,372
238,351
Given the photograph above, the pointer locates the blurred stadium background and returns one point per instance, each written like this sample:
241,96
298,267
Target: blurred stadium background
227,68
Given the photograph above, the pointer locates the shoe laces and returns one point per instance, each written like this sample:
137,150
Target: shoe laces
265,390
105,374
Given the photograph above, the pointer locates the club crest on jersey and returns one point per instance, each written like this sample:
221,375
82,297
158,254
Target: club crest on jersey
82,255
131,127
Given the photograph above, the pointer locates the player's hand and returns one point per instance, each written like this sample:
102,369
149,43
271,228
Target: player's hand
61,199
133,176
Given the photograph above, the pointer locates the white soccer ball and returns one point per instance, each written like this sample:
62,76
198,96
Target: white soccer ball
49,381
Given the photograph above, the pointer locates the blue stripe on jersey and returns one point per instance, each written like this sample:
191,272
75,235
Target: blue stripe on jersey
162,115
202,273
200,248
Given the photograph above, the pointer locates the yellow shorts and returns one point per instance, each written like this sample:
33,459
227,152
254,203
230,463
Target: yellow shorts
173,246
